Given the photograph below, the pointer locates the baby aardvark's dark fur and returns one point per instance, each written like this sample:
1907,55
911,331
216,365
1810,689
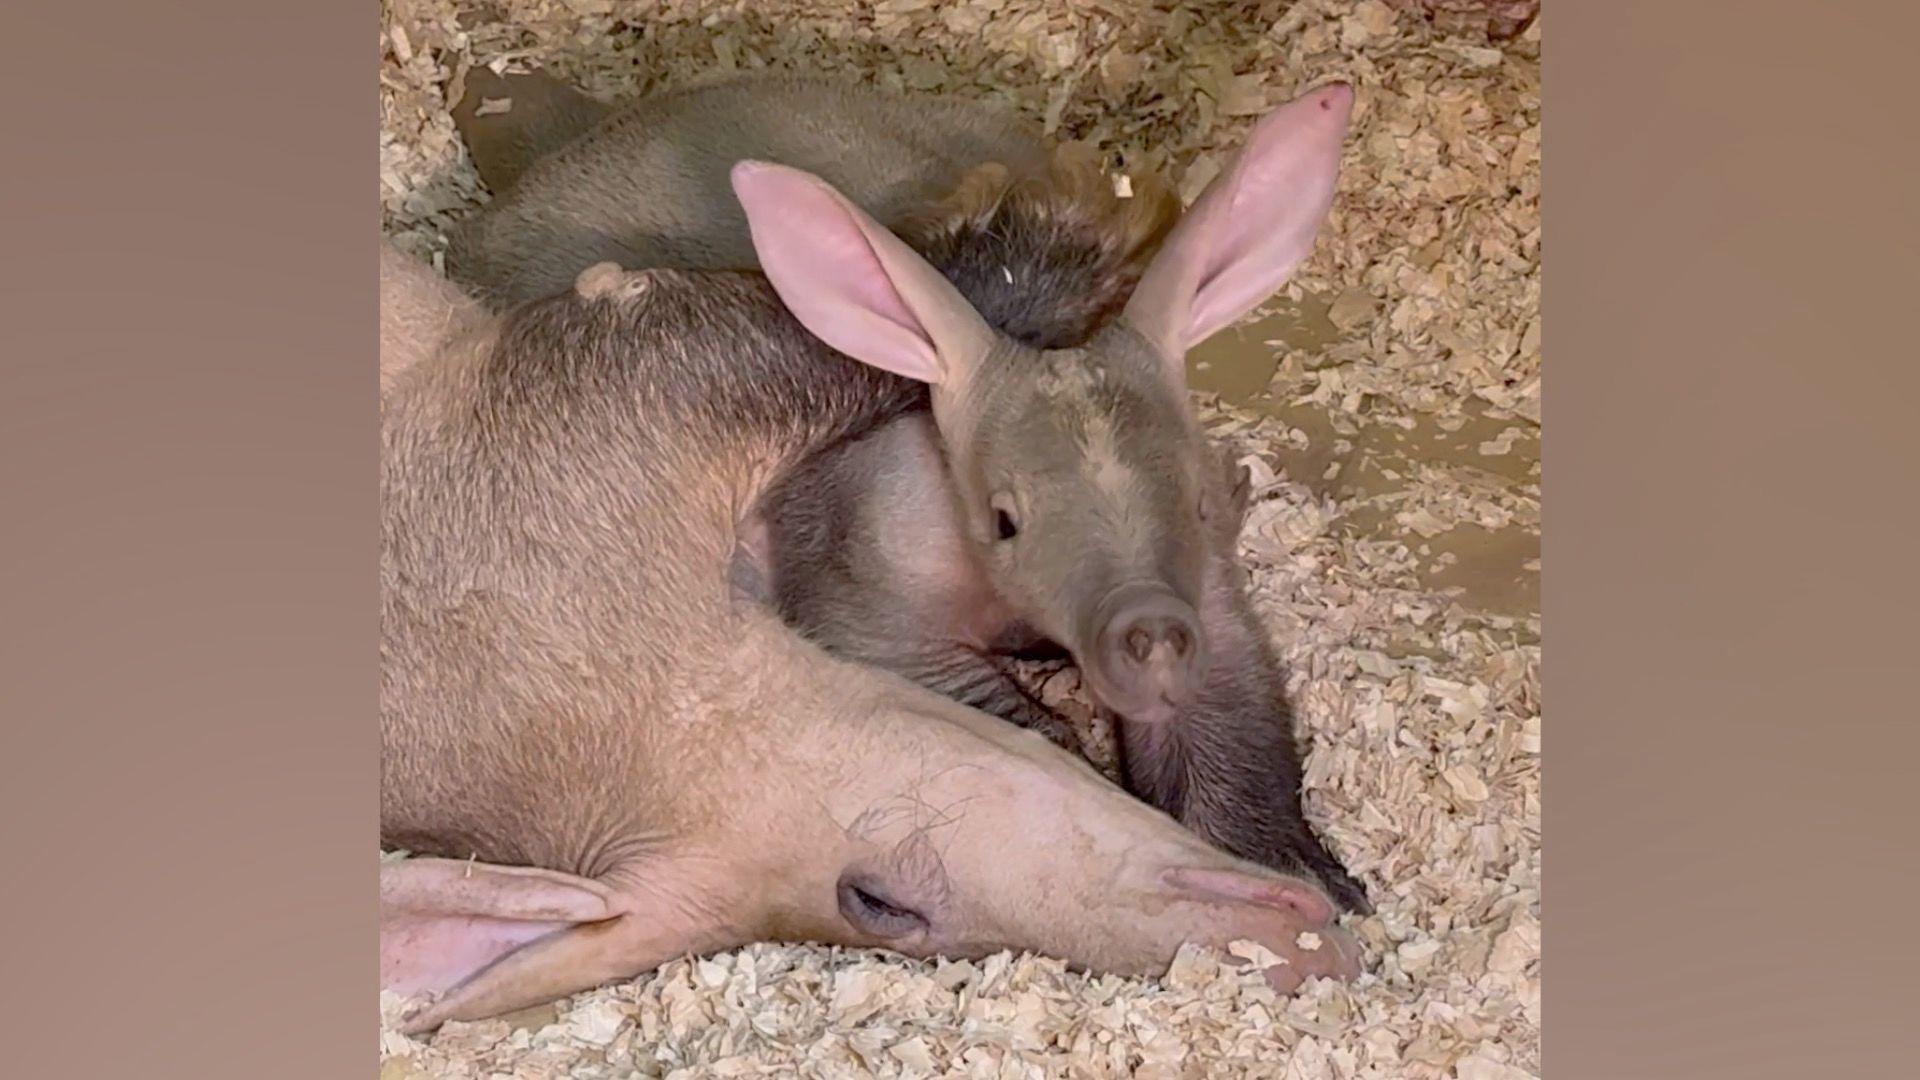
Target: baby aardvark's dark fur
867,552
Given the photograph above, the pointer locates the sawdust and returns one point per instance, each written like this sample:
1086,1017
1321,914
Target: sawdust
1423,709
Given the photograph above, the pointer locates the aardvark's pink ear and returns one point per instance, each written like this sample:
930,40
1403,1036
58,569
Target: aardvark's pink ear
445,922
1248,230
476,939
855,285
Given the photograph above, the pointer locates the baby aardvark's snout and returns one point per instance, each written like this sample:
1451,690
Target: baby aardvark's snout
1149,654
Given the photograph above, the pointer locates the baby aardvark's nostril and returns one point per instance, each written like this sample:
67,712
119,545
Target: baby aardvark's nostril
1139,643
1179,639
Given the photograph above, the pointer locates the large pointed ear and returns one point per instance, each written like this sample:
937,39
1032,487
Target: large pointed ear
854,284
442,920
1248,231
469,940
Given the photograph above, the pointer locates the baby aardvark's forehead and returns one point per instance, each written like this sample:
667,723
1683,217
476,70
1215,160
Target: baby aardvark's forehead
1070,377
1091,412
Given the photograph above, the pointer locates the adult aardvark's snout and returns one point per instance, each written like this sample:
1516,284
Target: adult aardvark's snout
1149,654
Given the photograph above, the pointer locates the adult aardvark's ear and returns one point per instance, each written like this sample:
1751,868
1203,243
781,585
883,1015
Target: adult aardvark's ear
855,285
477,940
1249,229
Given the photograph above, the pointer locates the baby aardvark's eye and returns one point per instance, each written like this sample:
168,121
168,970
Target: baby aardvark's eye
1006,521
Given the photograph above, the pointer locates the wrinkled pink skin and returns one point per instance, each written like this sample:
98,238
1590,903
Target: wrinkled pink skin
603,758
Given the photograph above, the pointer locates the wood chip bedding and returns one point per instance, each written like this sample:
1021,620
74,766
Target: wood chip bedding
1422,707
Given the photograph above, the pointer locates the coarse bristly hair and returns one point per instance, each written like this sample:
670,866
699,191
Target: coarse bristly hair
1046,259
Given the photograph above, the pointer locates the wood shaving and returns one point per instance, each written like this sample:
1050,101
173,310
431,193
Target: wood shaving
1421,711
